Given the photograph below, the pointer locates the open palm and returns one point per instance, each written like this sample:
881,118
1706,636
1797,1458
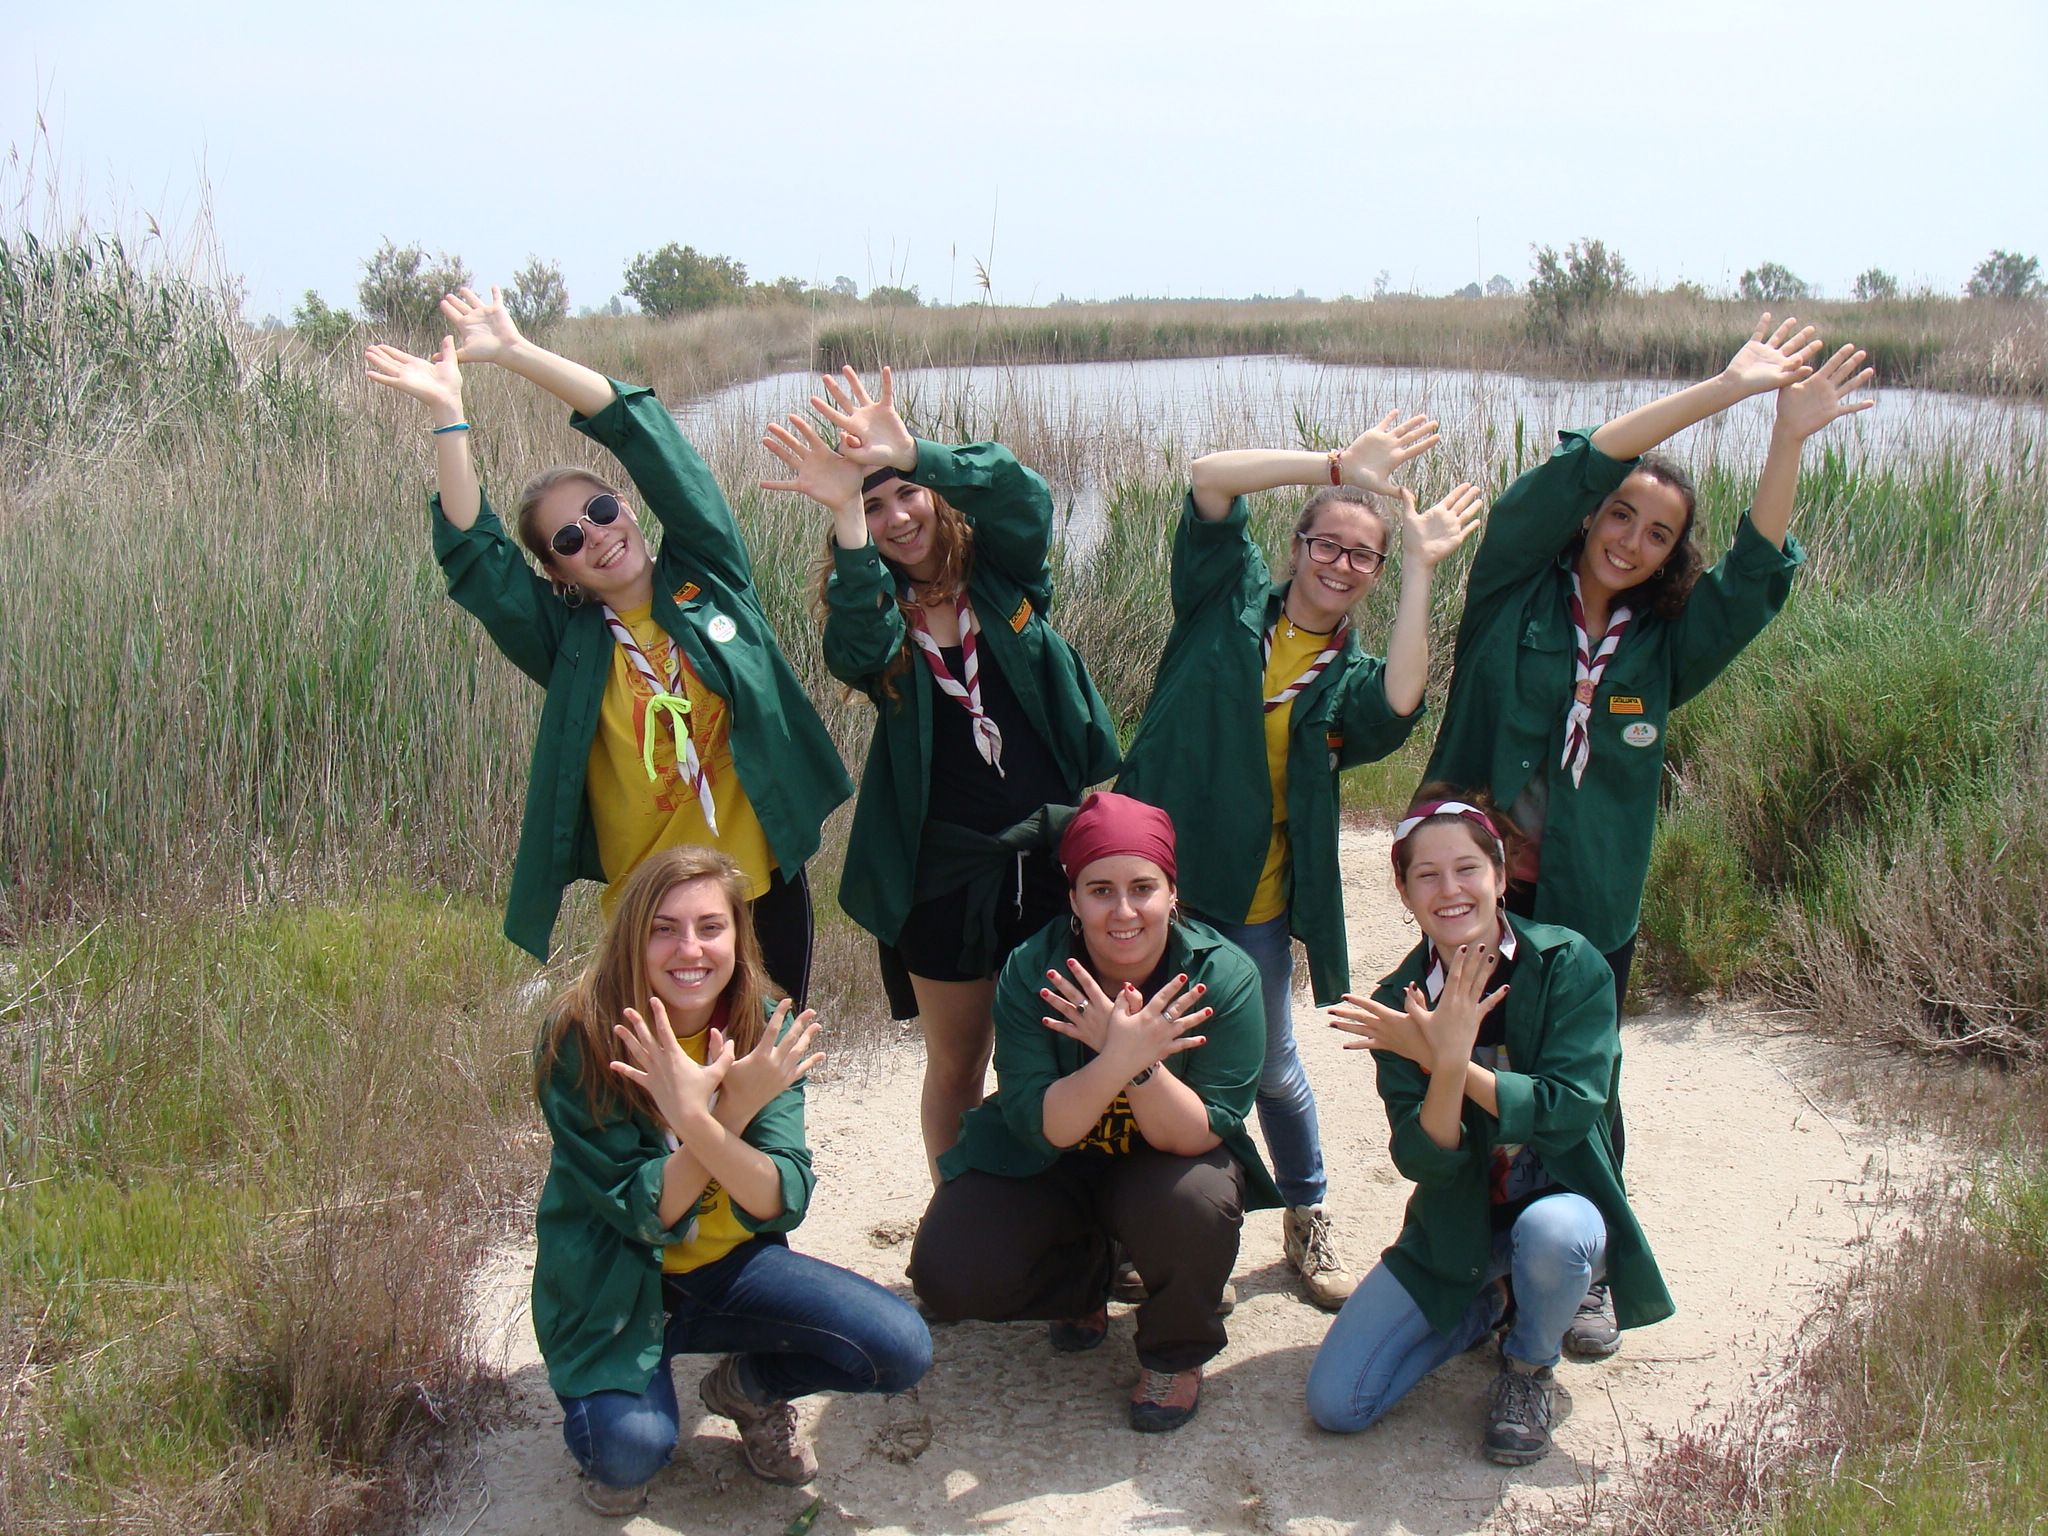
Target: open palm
828,478
435,380
870,430
1376,453
1433,536
1804,408
484,331
1771,359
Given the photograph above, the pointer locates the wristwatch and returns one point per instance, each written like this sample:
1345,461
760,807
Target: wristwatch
1144,1076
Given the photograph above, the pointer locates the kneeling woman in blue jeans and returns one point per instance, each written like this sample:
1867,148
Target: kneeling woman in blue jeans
672,1085
1498,1052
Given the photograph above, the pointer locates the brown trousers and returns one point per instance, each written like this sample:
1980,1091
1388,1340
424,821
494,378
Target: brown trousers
1004,1250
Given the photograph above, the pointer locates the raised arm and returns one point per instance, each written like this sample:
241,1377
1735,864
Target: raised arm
486,334
1770,359
436,382
1804,408
1371,457
1427,539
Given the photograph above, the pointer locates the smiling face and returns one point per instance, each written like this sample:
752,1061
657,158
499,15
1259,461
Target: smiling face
1125,905
1320,595
692,947
1452,884
904,525
613,564
1632,535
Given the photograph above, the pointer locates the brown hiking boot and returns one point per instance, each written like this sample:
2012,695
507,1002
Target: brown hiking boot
775,1449
1305,1231
1164,1400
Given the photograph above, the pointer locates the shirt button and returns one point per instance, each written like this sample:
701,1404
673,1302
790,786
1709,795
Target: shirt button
1525,763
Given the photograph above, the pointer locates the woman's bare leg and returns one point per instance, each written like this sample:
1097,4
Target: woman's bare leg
959,1035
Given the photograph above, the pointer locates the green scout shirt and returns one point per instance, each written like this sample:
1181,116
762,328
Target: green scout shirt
1200,753
1005,1133
1512,685
1561,1037
1011,512
597,1305
786,761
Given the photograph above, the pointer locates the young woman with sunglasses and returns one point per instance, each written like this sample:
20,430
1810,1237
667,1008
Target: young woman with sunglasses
672,1083
672,716
1588,618
935,591
1263,695
1496,1050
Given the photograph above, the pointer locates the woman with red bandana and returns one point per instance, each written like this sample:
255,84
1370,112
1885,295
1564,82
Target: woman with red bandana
1113,1121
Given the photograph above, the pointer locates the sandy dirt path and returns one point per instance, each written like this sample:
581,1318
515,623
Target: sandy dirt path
1753,1189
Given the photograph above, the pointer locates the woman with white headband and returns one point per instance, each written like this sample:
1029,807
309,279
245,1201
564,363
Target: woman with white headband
934,591
1496,1050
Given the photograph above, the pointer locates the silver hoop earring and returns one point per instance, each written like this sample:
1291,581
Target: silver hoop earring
1074,924
571,594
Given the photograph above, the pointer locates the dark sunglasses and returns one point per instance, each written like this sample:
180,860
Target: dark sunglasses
1327,552
601,511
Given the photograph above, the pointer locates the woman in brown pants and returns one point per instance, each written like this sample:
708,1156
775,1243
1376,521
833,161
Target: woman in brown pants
1111,1123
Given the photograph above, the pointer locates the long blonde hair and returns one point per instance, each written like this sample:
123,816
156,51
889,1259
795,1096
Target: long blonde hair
617,979
952,542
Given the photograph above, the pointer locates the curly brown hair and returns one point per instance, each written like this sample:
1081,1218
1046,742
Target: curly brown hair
1665,594
616,979
952,543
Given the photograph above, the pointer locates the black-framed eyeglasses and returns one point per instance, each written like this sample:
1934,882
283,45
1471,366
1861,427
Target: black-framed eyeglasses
1328,552
601,511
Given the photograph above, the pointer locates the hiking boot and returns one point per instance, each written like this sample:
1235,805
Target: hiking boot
1518,1414
1594,1334
1306,1232
1164,1400
776,1451
1073,1335
607,1500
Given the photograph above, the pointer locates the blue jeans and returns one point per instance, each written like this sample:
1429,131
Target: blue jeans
798,1325
1287,1107
1381,1344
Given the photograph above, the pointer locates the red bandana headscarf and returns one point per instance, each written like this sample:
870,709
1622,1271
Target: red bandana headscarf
1109,824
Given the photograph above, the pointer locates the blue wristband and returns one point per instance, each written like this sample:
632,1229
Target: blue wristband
460,426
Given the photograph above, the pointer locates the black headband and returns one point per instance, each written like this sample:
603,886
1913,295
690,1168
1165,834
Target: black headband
886,473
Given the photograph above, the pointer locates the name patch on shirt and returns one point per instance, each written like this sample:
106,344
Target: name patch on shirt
1617,705
1021,617
690,590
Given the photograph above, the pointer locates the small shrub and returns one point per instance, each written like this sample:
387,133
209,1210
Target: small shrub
401,289
2006,275
538,298
1774,284
1875,286
1705,924
1575,286
882,296
678,279
320,328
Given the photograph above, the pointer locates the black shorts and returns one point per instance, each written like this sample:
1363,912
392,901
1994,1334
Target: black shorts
933,933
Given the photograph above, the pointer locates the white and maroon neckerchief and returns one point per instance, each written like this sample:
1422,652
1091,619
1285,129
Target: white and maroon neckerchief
1314,669
668,700
1433,983
966,689
1589,662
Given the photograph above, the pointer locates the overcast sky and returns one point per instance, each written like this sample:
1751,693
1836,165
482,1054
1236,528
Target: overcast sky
1089,149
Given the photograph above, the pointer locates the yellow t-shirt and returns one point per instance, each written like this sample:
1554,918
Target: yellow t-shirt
718,1230
1116,1131
636,815
1293,650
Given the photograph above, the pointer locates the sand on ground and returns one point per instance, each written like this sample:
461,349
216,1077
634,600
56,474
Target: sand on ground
1754,1190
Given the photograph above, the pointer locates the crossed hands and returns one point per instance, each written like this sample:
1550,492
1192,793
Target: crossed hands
742,1086
1432,1038
1132,1032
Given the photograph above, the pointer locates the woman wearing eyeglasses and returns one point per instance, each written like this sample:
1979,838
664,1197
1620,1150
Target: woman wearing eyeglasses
672,716
1262,696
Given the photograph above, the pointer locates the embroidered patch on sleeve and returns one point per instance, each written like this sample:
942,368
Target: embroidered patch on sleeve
690,590
1022,616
